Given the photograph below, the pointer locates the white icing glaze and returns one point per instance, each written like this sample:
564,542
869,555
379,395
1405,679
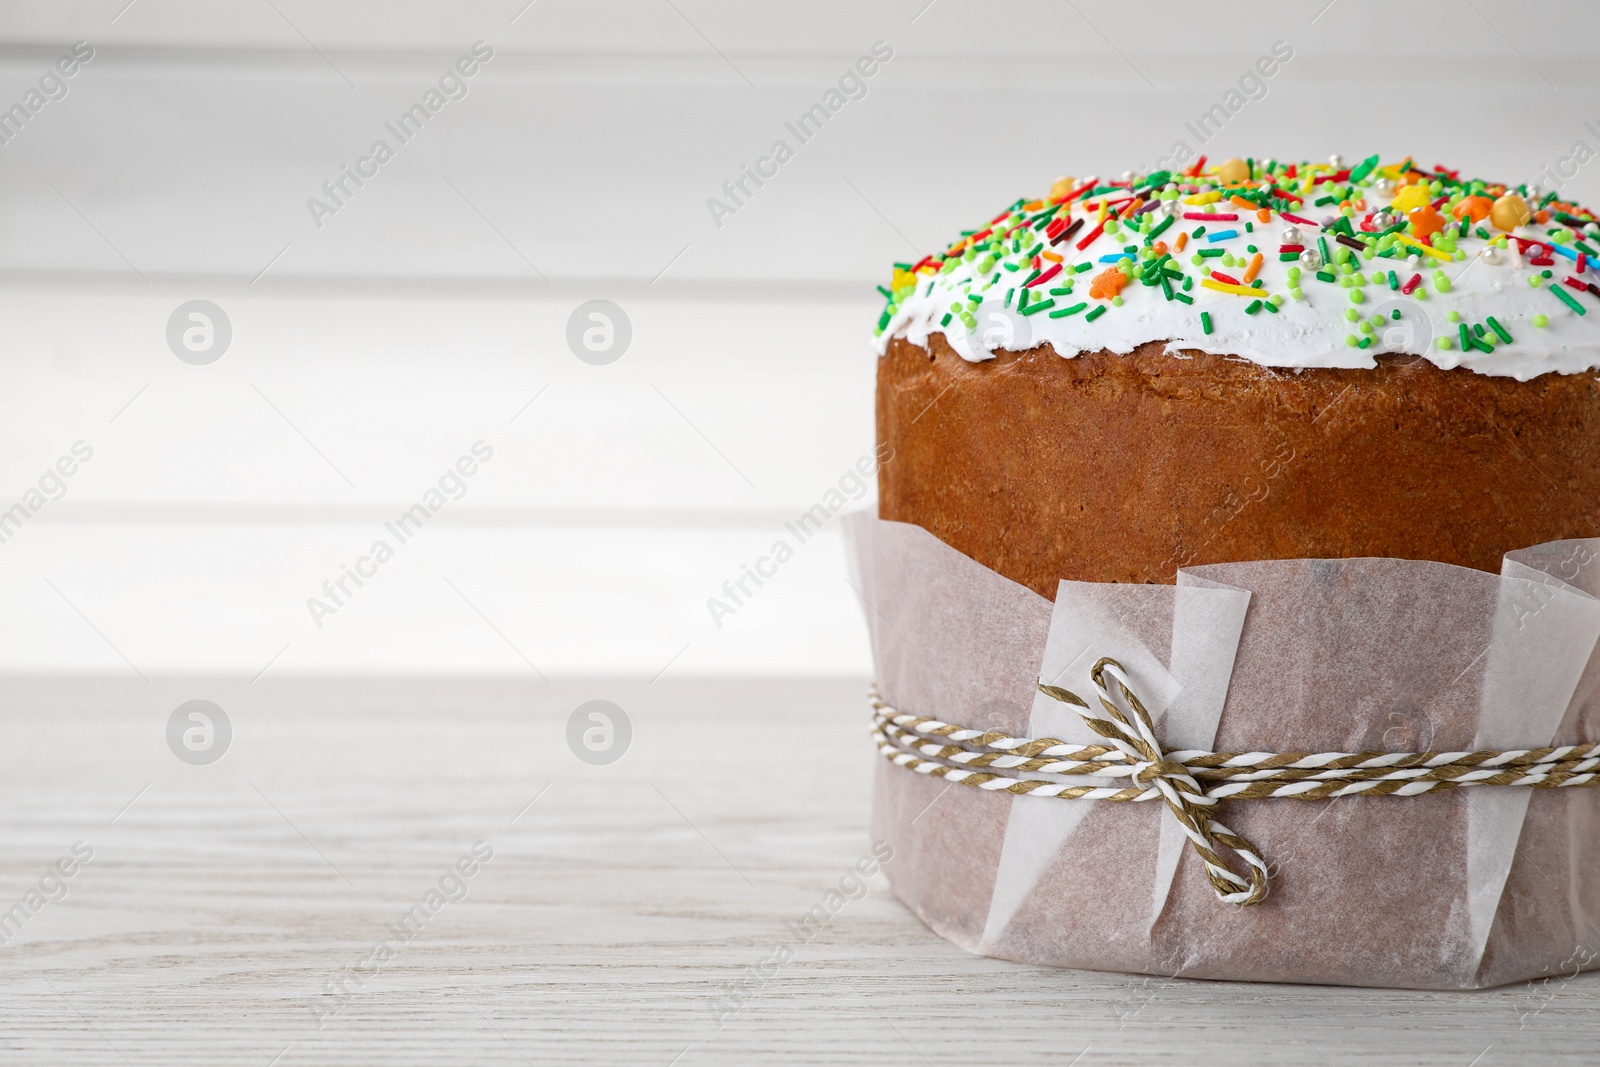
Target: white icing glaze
1310,332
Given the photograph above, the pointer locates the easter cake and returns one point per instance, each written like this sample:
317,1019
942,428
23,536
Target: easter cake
1244,361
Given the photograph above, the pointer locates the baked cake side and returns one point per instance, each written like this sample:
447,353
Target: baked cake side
1255,361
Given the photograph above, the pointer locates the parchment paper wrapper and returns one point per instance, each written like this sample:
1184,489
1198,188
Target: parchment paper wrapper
1451,890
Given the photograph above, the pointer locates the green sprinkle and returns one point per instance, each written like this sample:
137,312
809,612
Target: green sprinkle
1252,307
1095,314
1272,307
1351,340
1205,322
1466,338
1296,294
1535,281
1185,298
1087,264
1064,312
1366,342
1325,276
1032,309
1394,280
1212,253
1444,344
1494,324
1541,320
1357,296
1199,232
1567,300
1454,316
1064,291
945,321
1116,301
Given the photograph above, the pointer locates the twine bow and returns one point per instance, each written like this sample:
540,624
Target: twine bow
1134,735
996,762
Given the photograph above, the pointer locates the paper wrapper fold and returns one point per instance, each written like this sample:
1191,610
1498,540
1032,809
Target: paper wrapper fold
1449,890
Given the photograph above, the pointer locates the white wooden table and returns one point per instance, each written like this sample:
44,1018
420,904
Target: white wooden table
222,900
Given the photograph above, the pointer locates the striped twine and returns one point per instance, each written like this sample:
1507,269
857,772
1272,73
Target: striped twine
1137,769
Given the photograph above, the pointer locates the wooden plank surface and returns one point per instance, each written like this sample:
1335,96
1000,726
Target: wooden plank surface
221,901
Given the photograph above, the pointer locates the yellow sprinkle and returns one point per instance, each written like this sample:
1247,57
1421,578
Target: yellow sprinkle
1237,290
1203,198
1414,243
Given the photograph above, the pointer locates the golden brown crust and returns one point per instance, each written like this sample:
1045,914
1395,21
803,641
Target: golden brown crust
1123,468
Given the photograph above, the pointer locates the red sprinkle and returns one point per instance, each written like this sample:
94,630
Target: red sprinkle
1542,261
1055,268
1290,248
1287,195
1080,190
1408,287
1088,238
1224,278
1201,216
1582,287
1583,262
1297,219
1054,228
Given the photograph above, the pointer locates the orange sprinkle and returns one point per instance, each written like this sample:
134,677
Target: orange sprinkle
1263,215
1475,206
1249,205
1033,205
1183,239
1255,265
1051,256
1107,284
1129,208
1425,221
1541,216
1159,248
